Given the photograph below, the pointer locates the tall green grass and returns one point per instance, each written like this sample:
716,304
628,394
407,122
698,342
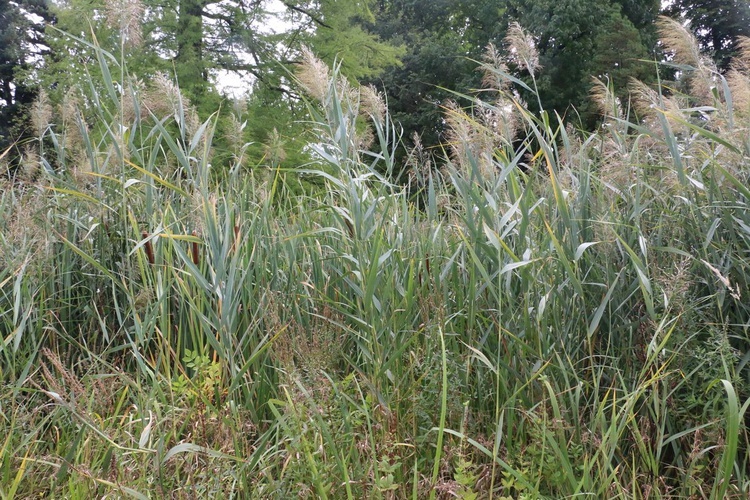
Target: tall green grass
563,319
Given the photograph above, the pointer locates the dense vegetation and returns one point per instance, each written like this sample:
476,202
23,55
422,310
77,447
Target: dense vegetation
541,312
417,52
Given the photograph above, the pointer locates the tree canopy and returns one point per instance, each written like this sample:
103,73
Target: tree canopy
577,39
716,23
421,53
444,39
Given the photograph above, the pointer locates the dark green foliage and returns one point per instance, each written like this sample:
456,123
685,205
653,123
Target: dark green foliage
442,39
716,24
580,38
621,53
575,38
21,45
344,39
190,62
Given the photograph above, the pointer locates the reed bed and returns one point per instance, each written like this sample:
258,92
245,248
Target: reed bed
550,314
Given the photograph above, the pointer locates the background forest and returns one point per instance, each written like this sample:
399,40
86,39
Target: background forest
374,249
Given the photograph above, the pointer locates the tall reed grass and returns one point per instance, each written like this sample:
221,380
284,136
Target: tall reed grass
564,318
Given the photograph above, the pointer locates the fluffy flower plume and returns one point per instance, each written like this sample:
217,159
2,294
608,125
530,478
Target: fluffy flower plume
313,75
41,113
741,60
739,78
522,48
126,16
684,47
371,102
493,67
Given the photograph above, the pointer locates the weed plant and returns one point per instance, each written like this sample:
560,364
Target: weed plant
551,314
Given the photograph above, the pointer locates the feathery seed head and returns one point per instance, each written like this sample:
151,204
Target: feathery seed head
274,148
685,49
492,68
471,138
126,17
419,162
739,85
645,99
371,103
71,104
313,75
605,99
235,132
743,52
29,167
41,113
522,48
680,41
164,97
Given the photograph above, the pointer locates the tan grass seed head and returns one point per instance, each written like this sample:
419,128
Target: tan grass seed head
522,48
313,74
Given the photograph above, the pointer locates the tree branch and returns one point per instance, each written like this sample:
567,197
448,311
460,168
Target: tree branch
260,76
309,14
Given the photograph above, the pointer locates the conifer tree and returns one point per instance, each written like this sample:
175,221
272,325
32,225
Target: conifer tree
21,47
